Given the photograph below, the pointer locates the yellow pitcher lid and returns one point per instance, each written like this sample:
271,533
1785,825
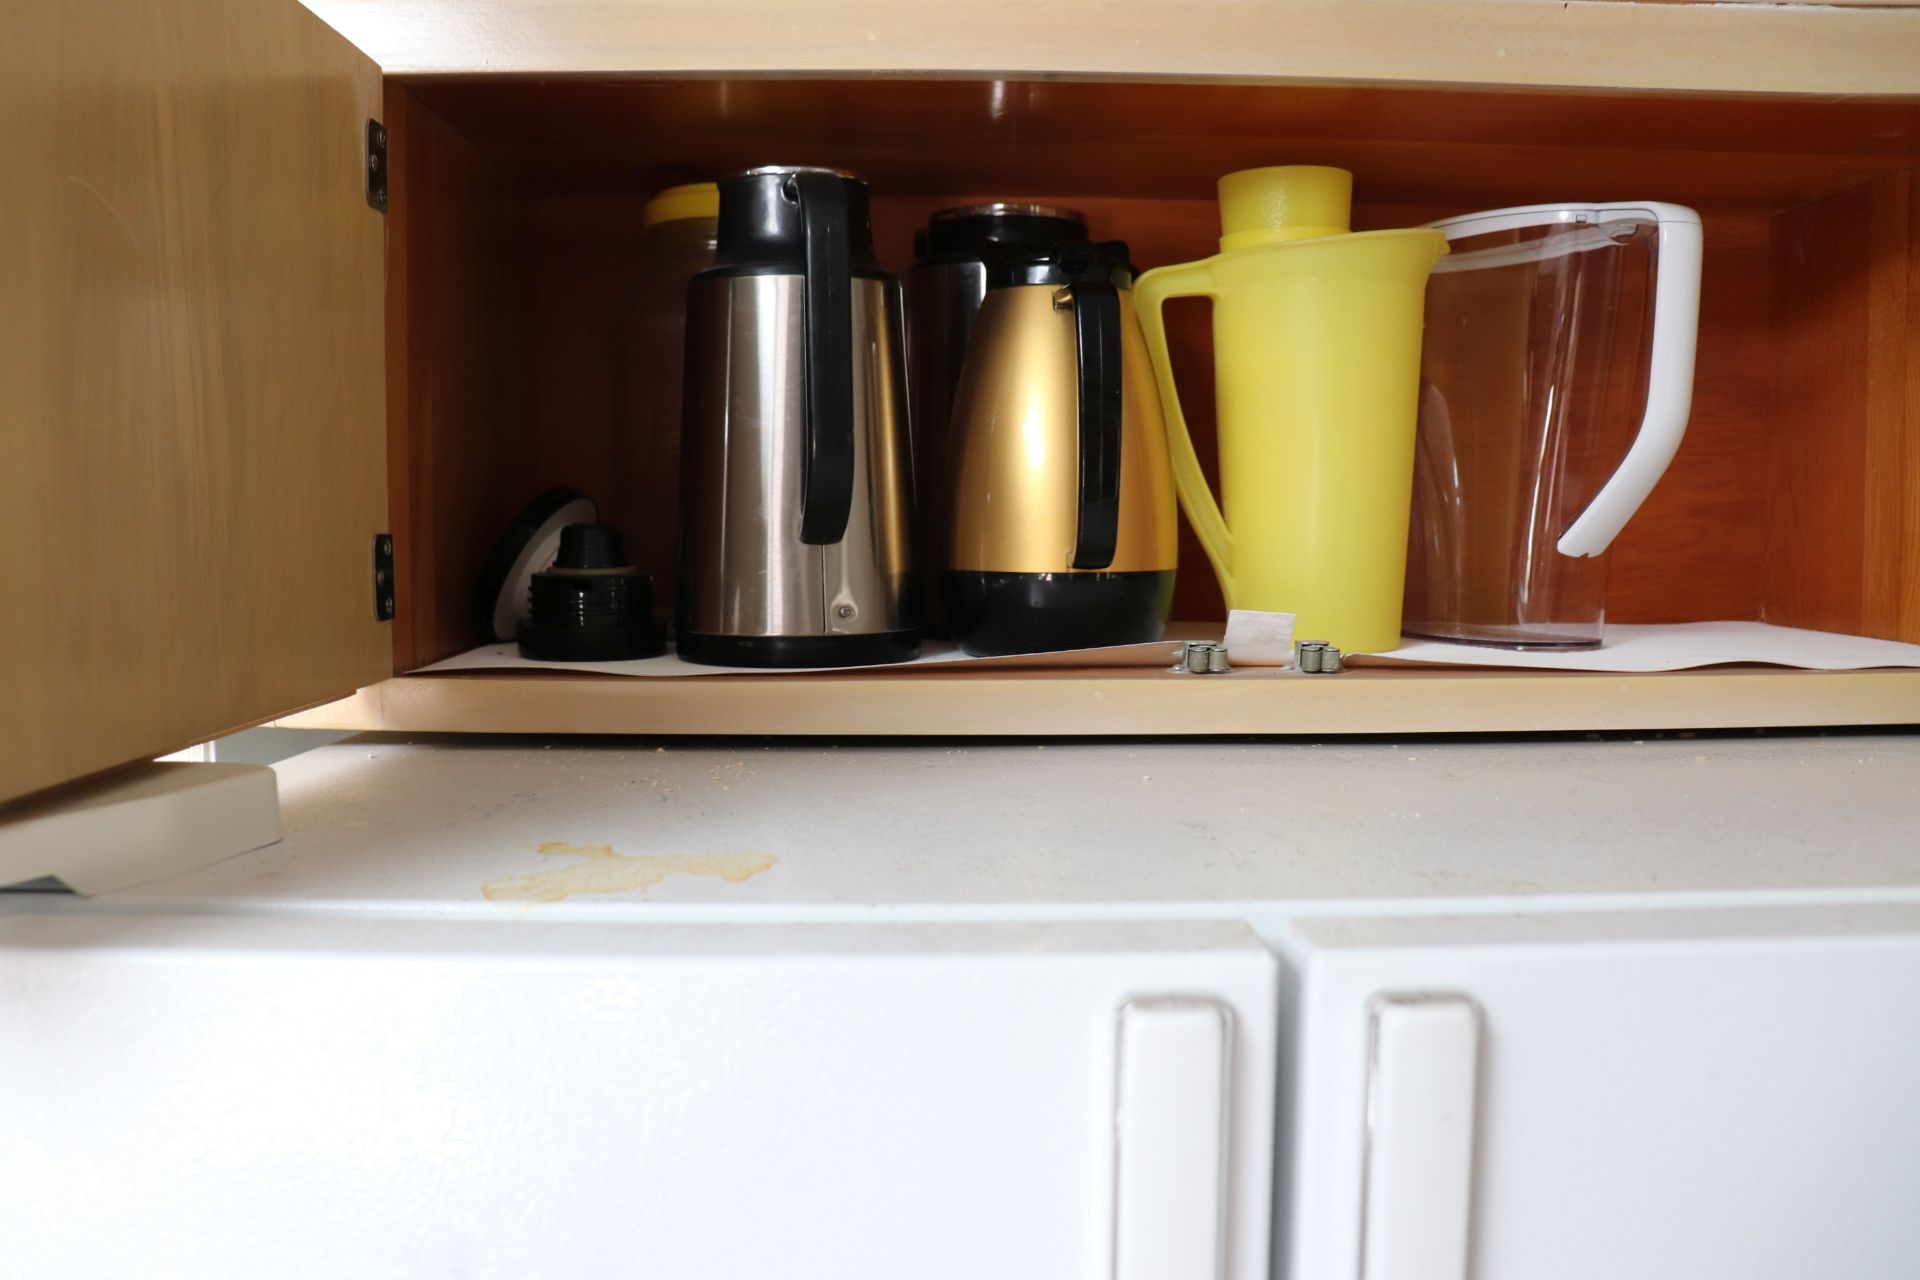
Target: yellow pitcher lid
676,204
1284,202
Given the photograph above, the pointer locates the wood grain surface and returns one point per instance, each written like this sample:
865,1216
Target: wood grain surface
1846,4
1694,553
1843,524
1142,160
457,373
1733,531
190,346
1728,47
1133,702
1462,149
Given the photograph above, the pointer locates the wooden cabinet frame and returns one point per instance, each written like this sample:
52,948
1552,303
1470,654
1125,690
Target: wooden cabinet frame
227,374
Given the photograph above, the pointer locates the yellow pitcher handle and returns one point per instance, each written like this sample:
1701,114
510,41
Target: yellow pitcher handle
1186,280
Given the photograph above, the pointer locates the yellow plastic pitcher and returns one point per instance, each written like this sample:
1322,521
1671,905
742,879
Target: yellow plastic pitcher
1316,352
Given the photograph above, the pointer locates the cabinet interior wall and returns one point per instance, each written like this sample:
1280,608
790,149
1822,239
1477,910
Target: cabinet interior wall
514,230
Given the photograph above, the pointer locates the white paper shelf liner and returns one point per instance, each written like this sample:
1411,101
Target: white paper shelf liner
1626,648
933,653
1678,646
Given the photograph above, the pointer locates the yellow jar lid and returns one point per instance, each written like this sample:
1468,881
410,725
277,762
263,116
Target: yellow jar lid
1284,202
676,204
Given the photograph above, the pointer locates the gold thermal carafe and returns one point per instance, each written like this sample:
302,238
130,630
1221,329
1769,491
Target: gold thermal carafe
1061,532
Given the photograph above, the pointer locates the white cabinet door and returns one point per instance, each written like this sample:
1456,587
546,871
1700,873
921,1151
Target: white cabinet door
325,1096
1651,1095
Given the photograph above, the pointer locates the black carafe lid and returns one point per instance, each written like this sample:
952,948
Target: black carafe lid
981,231
591,605
790,220
762,230
1105,260
526,548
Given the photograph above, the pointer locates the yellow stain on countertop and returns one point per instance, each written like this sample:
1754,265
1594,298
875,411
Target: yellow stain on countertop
605,871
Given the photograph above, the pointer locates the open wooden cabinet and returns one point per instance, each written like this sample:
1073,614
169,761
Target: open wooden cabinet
230,375
194,461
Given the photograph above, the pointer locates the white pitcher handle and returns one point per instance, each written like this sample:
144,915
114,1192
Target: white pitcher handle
1676,321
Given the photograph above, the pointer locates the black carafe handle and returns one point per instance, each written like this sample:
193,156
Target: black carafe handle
1096,331
826,460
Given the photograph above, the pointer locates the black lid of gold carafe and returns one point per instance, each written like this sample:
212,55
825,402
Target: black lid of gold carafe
1104,261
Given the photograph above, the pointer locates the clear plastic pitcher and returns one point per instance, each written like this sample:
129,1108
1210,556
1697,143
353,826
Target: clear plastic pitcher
1550,332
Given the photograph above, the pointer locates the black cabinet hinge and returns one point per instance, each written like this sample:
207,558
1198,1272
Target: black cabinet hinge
383,577
377,165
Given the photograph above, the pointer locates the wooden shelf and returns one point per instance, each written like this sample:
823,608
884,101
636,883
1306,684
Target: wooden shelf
514,227
1124,702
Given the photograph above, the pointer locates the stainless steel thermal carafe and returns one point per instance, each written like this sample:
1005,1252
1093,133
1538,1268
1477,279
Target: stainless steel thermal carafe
794,541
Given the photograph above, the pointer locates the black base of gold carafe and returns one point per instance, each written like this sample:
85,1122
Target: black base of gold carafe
1001,613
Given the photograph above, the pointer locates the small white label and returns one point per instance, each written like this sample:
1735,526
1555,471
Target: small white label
1256,639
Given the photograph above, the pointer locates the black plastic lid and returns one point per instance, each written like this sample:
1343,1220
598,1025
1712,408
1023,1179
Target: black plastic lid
1106,260
761,230
591,605
590,546
527,547
618,642
979,232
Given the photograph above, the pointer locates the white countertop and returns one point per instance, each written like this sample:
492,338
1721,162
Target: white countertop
806,832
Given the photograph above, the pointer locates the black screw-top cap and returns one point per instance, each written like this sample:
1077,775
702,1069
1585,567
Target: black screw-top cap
590,546
591,605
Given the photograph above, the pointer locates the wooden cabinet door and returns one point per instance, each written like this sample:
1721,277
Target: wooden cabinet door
192,421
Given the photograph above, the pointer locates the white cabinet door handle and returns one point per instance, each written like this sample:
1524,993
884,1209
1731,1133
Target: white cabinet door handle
1418,1193
1171,1139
